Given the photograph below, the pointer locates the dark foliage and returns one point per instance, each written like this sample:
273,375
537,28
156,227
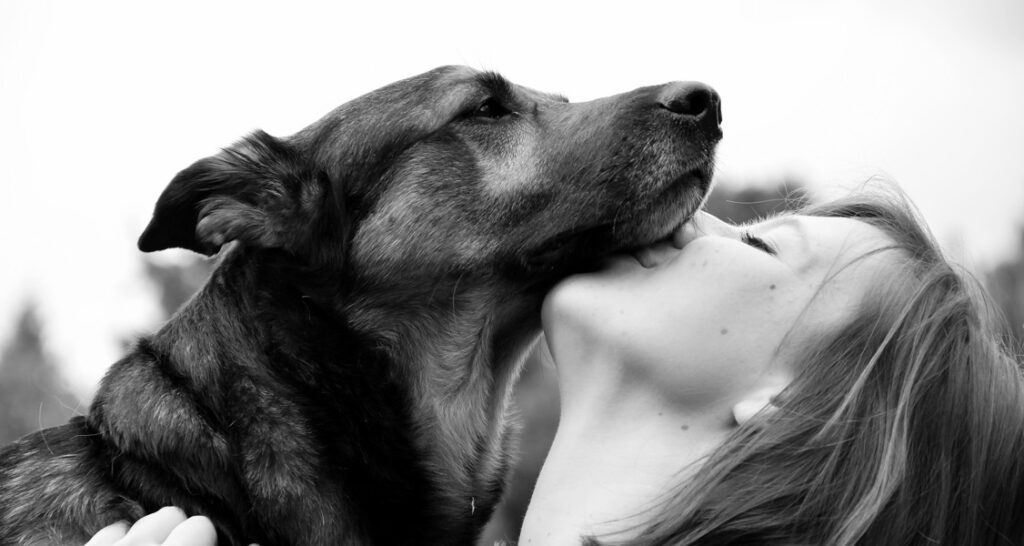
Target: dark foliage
33,394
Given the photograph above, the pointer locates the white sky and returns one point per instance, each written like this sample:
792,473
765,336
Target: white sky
101,103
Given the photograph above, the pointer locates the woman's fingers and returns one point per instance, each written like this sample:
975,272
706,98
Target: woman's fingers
154,528
166,527
108,535
195,531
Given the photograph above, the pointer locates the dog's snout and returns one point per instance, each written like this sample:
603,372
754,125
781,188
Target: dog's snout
693,100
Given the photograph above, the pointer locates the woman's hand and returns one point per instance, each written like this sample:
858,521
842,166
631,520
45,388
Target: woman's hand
166,527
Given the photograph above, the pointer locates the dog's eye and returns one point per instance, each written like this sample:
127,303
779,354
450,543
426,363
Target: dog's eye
491,109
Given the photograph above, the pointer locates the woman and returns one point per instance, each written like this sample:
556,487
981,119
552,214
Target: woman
821,378
824,378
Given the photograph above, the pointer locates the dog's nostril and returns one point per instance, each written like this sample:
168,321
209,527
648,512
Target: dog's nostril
694,100
692,104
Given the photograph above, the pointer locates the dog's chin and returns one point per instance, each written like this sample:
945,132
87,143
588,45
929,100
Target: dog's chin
596,261
665,217
586,250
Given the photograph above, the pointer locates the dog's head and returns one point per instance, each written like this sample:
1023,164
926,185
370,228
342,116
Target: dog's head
451,174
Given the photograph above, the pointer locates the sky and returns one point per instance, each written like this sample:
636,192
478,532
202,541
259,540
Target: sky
101,103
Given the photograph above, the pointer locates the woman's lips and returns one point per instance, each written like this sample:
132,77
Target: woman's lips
654,254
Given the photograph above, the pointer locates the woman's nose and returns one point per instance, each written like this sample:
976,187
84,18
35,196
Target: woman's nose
701,225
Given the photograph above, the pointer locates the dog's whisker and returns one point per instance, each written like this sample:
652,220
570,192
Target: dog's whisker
43,431
455,291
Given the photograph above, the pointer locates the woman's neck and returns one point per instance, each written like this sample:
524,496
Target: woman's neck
620,447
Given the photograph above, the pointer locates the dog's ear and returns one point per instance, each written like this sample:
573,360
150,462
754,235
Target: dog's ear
260,191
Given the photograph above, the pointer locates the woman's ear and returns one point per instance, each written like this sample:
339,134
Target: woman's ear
759,401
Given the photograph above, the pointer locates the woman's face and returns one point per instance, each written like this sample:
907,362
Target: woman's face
705,321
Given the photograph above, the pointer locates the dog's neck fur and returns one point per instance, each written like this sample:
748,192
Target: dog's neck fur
359,392
461,391
448,341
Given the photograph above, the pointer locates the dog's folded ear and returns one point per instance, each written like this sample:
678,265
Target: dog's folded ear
260,191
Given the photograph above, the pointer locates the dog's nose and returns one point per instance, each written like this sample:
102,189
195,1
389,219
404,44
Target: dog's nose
694,100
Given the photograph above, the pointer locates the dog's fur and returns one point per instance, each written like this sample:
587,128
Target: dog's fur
344,376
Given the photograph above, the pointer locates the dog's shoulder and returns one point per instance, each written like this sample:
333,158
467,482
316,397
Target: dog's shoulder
56,476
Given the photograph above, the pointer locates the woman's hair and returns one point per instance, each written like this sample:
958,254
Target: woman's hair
905,427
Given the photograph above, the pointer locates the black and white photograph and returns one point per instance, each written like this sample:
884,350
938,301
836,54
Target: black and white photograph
512,274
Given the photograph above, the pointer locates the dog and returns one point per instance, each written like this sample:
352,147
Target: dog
344,377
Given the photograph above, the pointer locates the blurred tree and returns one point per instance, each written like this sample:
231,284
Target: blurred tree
32,392
1006,284
537,392
176,283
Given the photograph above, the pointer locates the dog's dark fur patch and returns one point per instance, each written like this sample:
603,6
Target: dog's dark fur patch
344,376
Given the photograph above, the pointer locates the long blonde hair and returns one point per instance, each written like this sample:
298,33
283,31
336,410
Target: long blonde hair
906,427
